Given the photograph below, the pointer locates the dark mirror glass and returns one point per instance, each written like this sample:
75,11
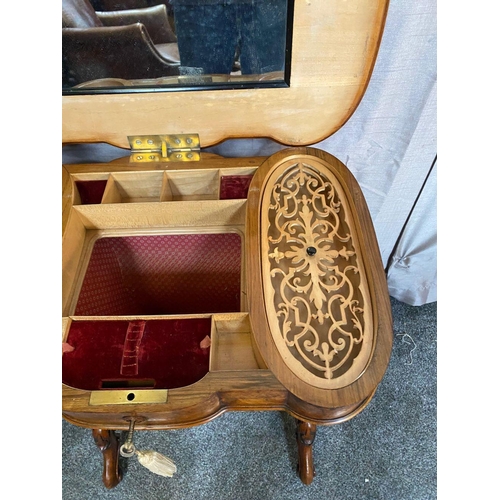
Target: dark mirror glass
111,46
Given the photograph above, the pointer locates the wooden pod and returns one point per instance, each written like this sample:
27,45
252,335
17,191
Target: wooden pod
318,300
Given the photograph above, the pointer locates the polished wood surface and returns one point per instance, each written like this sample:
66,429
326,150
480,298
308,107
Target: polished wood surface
364,385
248,384
305,434
244,371
334,47
108,443
315,285
216,393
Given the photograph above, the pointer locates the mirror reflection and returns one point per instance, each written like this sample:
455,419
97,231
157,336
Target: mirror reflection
113,44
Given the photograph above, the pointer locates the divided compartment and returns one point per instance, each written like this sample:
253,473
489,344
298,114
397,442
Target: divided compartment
232,344
234,183
133,283
154,353
134,187
161,186
89,192
210,184
186,185
144,187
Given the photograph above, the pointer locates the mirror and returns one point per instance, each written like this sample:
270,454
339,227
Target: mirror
113,46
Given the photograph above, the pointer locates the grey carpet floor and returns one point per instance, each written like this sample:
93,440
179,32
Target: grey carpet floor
387,452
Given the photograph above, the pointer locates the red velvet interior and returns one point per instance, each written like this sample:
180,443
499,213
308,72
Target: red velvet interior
91,191
162,274
234,187
168,354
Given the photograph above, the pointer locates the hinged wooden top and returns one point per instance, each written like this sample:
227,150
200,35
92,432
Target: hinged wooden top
333,51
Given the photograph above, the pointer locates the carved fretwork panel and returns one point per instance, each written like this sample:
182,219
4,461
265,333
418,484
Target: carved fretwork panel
315,286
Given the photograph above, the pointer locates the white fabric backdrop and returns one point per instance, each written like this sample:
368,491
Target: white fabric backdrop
389,144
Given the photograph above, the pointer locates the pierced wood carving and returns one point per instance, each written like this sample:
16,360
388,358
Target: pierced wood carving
315,286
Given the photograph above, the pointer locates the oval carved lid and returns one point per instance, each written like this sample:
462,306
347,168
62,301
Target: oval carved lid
317,298
313,311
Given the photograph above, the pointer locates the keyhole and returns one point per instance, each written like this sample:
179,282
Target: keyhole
311,251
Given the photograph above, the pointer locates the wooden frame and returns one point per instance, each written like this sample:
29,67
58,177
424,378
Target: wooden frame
334,47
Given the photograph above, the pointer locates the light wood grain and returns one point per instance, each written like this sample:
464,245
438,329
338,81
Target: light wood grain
192,185
95,171
322,299
73,246
367,382
335,43
232,347
133,187
67,197
186,214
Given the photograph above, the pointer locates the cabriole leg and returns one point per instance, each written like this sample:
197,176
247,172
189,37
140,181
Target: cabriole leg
107,442
306,432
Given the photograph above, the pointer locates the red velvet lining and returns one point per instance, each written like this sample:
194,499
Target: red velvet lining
169,353
162,274
91,191
234,187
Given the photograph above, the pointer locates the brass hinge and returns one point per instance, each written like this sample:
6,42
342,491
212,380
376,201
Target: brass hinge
172,147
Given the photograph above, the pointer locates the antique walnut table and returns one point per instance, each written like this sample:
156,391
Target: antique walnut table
191,288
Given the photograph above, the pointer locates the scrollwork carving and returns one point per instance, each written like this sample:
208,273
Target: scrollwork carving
317,289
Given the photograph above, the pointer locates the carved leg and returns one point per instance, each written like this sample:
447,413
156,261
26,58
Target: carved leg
107,442
306,432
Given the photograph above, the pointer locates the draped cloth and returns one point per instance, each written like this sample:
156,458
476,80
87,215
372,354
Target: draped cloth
390,146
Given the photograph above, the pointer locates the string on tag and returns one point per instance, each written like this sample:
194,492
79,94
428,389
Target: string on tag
152,460
405,335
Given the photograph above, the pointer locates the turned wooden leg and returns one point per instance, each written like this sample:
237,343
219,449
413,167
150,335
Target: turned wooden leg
306,432
107,442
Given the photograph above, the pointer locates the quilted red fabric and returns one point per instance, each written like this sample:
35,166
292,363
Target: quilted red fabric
162,274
